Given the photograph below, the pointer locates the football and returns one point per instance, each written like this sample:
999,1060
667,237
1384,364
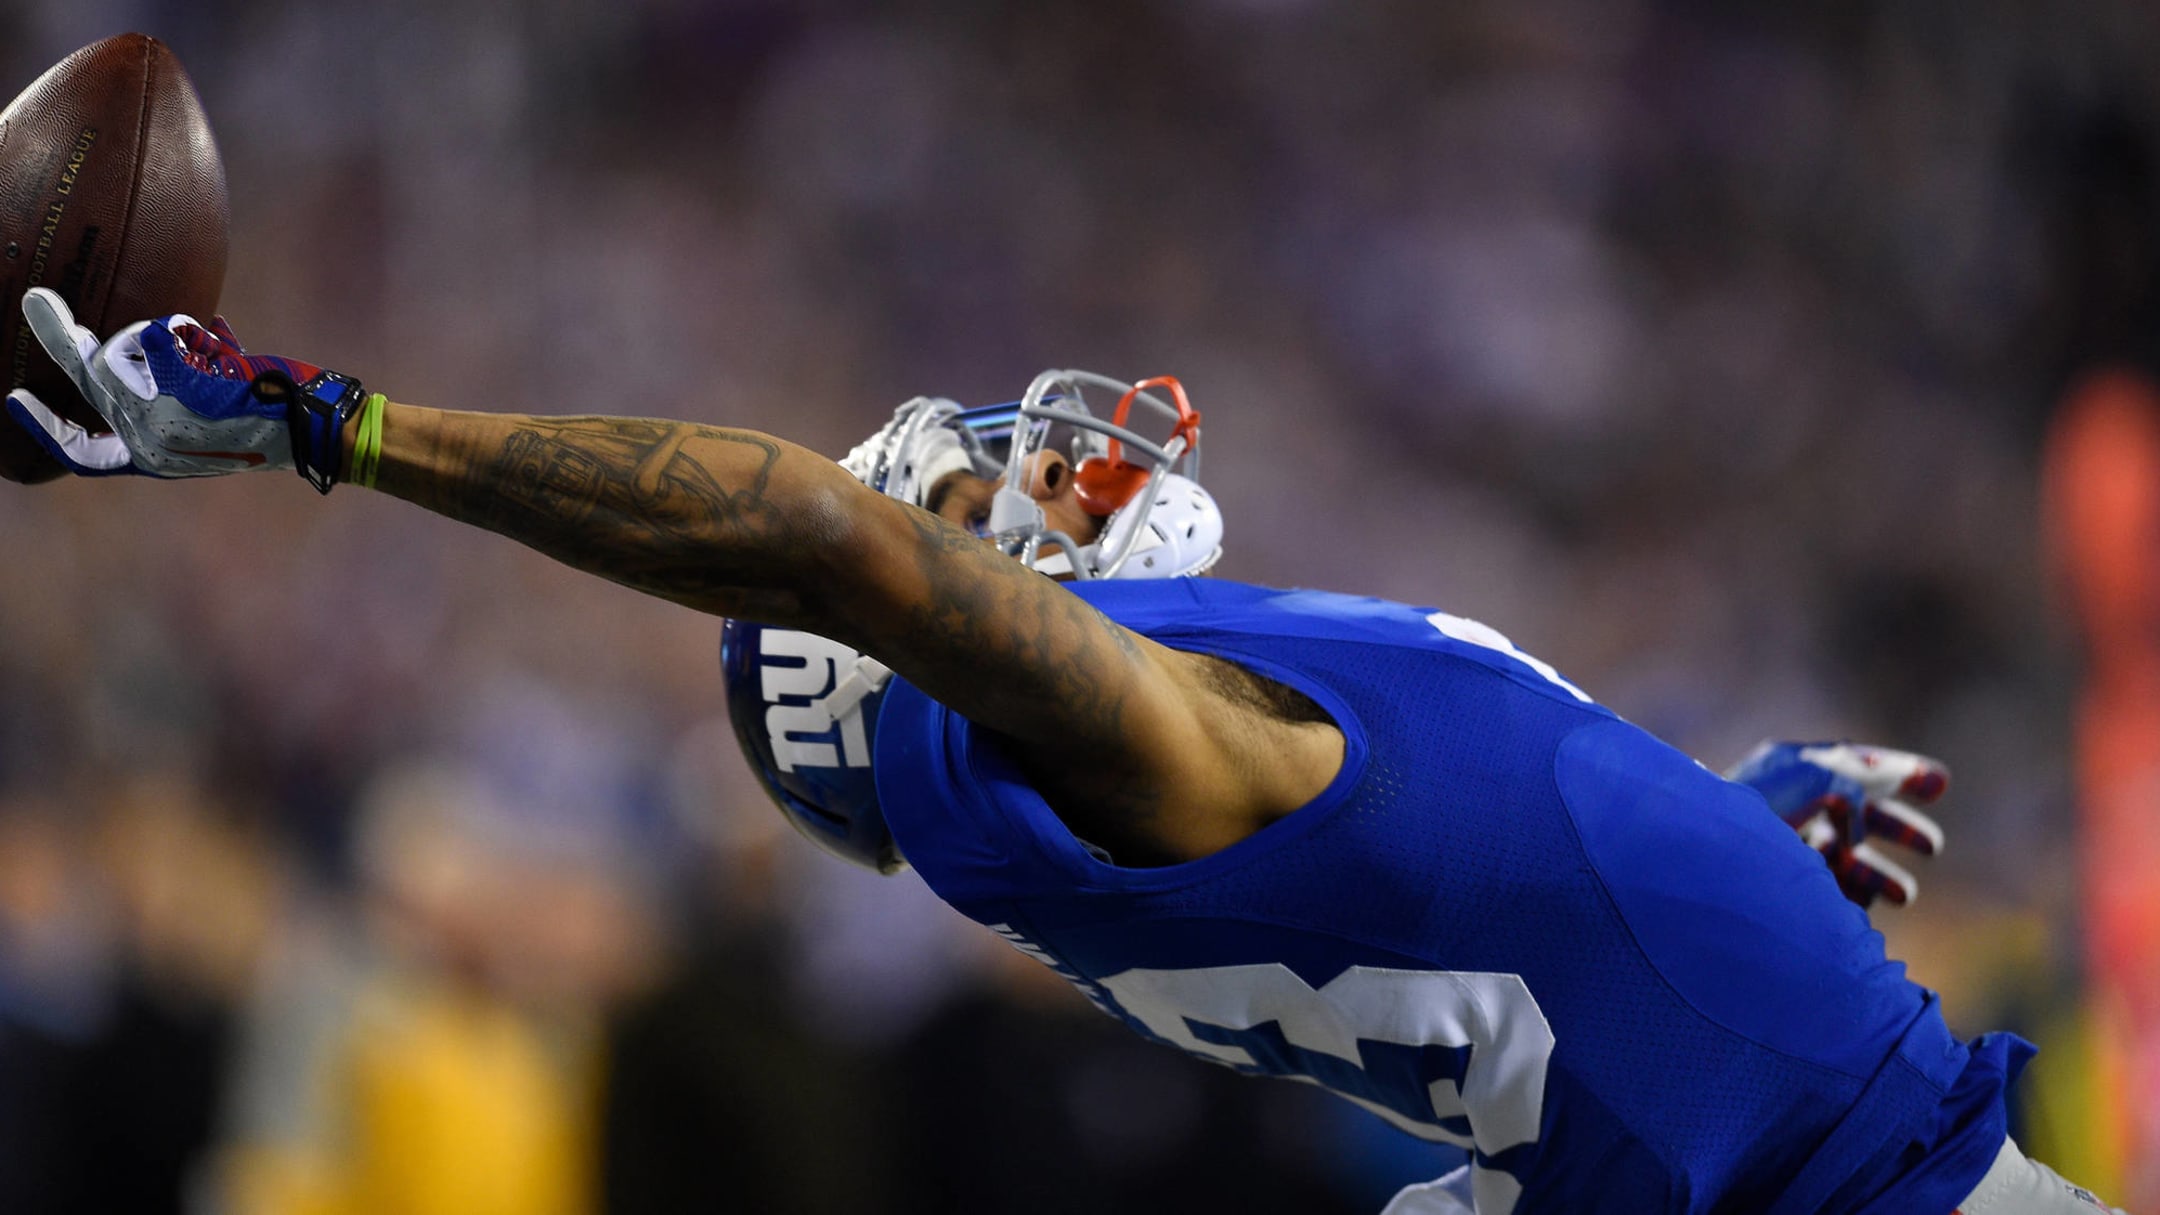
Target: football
112,194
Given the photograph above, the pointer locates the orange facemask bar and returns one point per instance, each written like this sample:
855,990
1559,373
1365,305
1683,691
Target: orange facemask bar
1105,483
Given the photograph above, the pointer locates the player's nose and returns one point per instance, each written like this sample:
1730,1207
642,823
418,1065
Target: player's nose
1050,477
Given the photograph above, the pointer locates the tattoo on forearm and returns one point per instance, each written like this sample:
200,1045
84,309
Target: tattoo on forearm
719,520
670,508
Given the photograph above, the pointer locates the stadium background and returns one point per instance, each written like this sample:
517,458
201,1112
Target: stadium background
1732,357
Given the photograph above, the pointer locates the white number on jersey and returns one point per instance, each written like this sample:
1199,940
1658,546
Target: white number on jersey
1462,628
1455,1058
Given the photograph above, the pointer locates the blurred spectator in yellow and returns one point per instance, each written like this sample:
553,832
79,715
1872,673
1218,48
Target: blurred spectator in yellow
452,1054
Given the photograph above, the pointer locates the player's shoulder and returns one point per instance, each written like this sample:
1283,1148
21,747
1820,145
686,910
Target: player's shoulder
1221,604
1216,614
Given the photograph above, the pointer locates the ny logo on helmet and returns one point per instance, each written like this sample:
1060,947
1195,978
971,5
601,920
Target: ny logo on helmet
813,714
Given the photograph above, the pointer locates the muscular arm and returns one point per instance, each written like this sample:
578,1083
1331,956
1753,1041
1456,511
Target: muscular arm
719,520
1110,725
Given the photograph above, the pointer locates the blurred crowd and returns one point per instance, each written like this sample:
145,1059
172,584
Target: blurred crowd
354,862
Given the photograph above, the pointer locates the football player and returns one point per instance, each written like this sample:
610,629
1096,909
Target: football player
1351,842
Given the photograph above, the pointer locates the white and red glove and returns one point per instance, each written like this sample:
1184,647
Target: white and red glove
1841,797
184,399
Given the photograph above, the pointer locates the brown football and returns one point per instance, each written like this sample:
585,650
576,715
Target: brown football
113,195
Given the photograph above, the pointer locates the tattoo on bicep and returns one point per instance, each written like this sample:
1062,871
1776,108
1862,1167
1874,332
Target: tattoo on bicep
1054,652
1042,667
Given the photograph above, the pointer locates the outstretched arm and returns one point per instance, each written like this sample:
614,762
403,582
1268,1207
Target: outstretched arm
740,523
1109,724
1137,746
715,519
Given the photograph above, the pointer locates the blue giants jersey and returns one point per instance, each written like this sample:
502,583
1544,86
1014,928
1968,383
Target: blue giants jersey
1513,922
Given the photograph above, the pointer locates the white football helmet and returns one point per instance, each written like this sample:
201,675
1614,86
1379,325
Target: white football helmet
1159,522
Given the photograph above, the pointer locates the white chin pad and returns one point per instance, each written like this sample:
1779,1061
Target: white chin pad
1010,509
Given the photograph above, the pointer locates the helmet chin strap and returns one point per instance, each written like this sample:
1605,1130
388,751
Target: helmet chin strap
1011,510
1059,565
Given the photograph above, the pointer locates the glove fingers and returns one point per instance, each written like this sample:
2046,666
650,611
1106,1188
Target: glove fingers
1818,832
1883,772
124,362
77,450
1865,875
1924,781
1888,773
1843,807
223,329
69,344
1893,820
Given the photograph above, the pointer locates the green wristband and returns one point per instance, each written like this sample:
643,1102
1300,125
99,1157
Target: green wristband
367,447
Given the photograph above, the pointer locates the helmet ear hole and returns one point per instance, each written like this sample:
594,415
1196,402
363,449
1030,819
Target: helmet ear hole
1104,485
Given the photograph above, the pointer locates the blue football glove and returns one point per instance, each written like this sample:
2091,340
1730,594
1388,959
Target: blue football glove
184,400
1840,796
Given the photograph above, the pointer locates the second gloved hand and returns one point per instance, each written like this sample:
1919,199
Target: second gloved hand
1841,796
